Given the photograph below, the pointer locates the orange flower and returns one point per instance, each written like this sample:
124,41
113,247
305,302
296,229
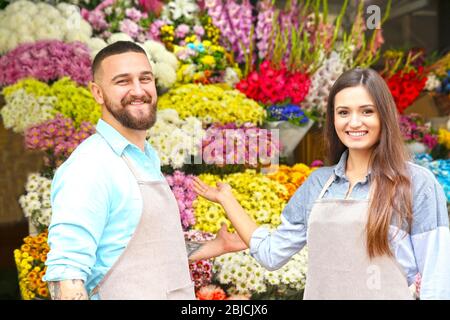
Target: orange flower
41,283
291,188
25,248
40,239
211,292
42,274
43,257
32,276
28,240
43,292
282,177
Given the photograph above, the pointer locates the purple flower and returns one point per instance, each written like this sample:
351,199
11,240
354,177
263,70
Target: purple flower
133,14
182,30
199,31
130,28
46,60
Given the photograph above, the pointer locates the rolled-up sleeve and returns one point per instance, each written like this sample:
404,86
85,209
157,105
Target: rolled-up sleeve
431,241
79,199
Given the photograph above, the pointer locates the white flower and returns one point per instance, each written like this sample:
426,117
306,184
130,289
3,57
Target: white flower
165,74
432,82
182,8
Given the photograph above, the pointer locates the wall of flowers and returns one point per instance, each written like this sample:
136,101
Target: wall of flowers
219,65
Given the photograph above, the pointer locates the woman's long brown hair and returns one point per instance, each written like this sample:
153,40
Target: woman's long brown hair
391,196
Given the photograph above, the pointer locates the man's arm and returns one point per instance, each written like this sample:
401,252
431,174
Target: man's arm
68,290
224,242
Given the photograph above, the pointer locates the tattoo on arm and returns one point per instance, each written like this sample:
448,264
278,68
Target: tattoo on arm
192,247
68,290
55,290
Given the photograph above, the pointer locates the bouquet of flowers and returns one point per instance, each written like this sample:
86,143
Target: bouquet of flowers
211,103
440,168
25,21
291,112
414,129
262,198
404,80
63,96
181,185
124,16
36,202
46,60
247,145
58,138
175,140
30,261
203,62
243,275
291,177
201,271
275,85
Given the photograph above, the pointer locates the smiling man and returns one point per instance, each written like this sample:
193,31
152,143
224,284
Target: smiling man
115,231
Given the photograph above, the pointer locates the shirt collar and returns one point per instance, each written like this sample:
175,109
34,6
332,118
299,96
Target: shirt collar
339,169
117,141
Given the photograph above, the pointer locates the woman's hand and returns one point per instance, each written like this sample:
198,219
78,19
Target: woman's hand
222,191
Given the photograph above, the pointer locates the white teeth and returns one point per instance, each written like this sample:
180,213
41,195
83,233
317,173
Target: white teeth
357,134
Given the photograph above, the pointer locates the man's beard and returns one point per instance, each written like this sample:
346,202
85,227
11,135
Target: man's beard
124,116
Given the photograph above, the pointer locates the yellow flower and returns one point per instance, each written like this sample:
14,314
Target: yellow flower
208,60
444,138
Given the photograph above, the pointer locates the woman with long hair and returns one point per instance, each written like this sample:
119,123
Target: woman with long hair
372,221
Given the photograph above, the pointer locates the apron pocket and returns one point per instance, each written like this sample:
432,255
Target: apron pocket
182,293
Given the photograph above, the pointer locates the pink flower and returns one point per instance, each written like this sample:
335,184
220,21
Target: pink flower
182,30
199,31
46,60
133,14
129,27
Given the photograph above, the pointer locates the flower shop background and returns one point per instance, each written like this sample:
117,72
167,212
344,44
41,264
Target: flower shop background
268,66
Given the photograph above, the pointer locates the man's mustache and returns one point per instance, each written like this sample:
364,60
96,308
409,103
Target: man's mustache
127,100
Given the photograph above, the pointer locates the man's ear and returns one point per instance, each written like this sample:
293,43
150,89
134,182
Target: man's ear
96,92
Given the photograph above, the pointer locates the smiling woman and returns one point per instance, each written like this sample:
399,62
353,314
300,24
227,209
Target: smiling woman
373,220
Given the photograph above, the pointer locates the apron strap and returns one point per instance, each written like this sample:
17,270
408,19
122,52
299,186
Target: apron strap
133,169
327,185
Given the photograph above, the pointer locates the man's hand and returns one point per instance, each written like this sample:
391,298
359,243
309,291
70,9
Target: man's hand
217,195
224,242
68,290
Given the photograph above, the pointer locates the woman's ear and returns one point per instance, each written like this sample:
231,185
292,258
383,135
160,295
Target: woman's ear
96,92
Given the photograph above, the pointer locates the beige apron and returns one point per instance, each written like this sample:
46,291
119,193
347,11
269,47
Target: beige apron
338,264
154,265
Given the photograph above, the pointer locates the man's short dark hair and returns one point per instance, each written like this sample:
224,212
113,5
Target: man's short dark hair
112,49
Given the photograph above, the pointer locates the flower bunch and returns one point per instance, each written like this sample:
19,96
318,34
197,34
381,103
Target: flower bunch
112,16
262,198
180,11
201,270
23,110
235,22
440,168
58,137
291,177
63,96
246,276
35,202
175,139
230,144
414,129
406,87
433,83
211,104
203,62
46,60
321,82
211,292
25,21
30,261
275,86
164,63
291,112
181,185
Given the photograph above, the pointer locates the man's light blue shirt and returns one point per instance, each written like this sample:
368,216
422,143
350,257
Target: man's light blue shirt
96,205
